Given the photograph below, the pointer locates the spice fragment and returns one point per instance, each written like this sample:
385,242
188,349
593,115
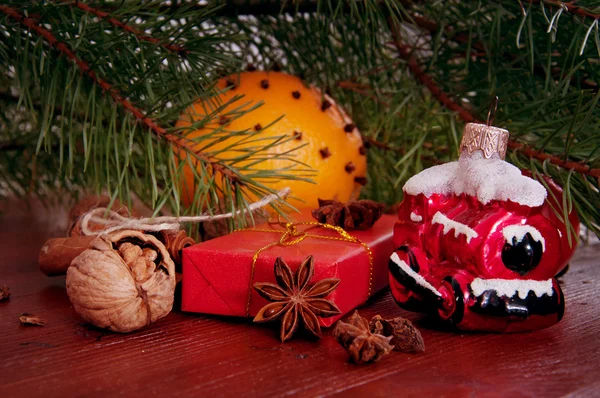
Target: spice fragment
29,319
360,214
361,180
357,339
405,336
4,293
325,153
349,127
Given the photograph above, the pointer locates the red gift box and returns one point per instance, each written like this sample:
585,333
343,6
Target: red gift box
218,277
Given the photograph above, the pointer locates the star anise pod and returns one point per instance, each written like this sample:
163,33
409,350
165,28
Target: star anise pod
362,344
359,214
295,300
405,336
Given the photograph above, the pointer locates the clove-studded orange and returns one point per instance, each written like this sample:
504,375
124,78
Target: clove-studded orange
314,128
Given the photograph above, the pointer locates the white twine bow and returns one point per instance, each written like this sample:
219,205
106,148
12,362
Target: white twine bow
116,222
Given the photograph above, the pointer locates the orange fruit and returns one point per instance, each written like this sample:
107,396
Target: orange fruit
333,146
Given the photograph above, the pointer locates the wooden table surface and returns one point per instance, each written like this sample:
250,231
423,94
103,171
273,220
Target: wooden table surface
191,355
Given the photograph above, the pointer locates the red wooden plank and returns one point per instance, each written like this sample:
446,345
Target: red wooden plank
187,354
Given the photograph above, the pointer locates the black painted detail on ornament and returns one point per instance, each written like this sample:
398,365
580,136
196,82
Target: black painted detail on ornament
561,304
459,297
562,272
522,256
408,282
489,303
412,259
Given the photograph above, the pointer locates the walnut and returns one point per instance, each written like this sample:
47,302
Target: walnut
123,282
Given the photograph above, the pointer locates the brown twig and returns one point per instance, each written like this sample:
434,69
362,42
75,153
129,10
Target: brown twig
141,36
571,8
467,117
145,120
362,89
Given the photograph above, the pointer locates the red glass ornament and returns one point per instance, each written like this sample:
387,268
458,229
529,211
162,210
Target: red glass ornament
485,267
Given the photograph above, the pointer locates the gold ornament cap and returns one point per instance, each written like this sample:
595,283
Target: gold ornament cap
487,139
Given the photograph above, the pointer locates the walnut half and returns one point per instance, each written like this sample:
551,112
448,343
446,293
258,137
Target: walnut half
123,282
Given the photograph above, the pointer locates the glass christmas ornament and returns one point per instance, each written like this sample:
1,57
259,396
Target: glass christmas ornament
478,243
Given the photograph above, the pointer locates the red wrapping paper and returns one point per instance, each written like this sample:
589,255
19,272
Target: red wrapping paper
217,273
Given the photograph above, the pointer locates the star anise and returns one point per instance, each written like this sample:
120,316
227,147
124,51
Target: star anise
359,214
405,336
362,344
295,300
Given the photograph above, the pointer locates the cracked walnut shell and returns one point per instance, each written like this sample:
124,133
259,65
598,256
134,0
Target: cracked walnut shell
123,282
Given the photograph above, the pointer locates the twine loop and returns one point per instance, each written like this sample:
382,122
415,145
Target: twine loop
113,221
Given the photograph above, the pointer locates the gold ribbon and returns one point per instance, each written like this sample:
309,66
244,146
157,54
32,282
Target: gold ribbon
291,236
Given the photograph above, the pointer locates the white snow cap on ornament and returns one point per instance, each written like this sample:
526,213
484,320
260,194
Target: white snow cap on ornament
459,228
512,287
519,231
474,175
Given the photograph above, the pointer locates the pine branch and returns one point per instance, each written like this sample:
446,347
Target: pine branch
570,7
362,90
477,48
405,52
115,93
176,48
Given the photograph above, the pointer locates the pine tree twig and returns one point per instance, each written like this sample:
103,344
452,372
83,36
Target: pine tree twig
11,146
114,93
478,50
58,110
361,89
234,8
570,7
405,52
387,147
373,71
141,36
